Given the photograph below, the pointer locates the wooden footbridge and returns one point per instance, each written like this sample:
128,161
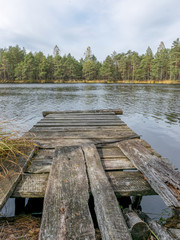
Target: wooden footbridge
83,153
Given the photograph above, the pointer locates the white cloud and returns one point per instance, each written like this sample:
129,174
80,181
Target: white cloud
105,25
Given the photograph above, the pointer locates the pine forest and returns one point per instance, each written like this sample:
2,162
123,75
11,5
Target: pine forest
16,65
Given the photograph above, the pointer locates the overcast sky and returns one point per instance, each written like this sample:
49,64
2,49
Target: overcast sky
104,25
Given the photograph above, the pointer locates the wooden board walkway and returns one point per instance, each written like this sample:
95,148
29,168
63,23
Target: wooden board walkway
91,152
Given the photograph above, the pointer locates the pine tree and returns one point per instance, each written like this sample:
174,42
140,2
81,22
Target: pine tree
90,65
175,60
107,70
146,64
160,63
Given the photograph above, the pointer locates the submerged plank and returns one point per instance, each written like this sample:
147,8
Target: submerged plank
163,178
66,214
9,182
109,216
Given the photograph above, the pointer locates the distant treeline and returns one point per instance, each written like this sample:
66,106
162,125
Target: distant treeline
18,66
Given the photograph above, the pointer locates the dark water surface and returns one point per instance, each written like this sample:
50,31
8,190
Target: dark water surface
152,111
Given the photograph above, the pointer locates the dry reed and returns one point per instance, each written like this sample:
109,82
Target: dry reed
11,149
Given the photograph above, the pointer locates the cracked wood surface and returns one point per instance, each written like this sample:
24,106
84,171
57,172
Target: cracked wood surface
10,181
161,176
109,216
66,213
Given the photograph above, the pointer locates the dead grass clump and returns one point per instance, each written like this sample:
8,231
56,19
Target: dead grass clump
12,149
20,227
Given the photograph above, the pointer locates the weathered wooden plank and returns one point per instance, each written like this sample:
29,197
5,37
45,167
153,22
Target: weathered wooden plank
163,179
110,152
79,124
109,216
84,117
79,129
124,183
31,185
112,159
40,166
102,111
175,233
81,114
129,183
105,152
66,214
42,154
117,164
9,182
80,121
52,143
44,165
80,135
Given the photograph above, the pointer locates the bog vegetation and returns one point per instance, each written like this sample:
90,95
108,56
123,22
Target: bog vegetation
16,65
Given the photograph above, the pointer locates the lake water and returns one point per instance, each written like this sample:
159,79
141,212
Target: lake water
152,111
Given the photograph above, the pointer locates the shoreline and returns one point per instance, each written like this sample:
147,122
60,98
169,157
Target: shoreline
174,82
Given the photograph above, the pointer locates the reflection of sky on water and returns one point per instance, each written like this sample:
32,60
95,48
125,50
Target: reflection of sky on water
152,111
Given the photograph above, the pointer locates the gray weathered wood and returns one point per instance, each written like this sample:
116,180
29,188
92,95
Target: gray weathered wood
102,111
44,124
31,186
117,164
157,229
44,165
83,117
139,229
9,182
163,179
66,213
44,120
52,143
80,135
123,183
110,152
81,114
112,159
129,183
80,128
175,233
109,216
40,166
